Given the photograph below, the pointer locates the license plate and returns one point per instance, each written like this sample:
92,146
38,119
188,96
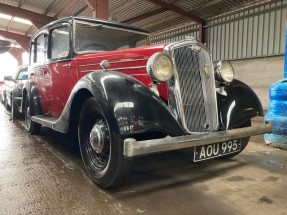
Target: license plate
216,150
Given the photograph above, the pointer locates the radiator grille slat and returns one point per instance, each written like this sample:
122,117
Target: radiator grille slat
196,89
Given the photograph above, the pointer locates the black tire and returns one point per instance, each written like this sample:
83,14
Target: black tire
101,148
32,127
244,141
14,109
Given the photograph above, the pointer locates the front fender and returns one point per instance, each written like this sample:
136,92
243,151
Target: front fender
239,106
129,106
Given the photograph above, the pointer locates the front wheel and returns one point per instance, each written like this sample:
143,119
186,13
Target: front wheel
14,109
101,148
32,127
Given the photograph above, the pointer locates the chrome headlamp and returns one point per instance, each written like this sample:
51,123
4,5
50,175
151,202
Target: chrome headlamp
224,72
159,67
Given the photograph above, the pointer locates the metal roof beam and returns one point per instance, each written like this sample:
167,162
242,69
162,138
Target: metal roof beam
37,19
178,10
21,39
145,15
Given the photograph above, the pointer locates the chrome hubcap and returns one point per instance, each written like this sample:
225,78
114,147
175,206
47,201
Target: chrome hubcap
96,138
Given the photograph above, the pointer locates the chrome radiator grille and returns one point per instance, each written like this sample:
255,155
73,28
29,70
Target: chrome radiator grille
195,80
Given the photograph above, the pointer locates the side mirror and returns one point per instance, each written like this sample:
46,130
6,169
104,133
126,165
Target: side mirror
8,78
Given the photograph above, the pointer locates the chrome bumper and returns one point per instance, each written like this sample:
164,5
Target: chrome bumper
133,148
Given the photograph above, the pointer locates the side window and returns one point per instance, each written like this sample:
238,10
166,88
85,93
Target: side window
23,74
40,49
59,42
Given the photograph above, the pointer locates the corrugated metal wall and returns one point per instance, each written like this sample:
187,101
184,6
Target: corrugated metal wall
179,34
259,32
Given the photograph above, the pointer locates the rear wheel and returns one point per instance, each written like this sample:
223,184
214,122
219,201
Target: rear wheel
244,141
32,127
14,109
101,148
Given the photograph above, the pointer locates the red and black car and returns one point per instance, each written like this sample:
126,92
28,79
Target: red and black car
125,98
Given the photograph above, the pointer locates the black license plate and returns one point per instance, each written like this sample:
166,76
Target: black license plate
216,150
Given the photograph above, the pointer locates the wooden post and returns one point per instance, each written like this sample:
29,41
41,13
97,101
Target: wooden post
202,33
17,54
100,8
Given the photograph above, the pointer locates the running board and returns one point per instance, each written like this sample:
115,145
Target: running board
58,124
46,121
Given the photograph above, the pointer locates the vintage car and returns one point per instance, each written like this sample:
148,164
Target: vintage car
13,86
124,98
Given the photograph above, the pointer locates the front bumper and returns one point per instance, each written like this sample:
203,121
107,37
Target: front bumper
133,148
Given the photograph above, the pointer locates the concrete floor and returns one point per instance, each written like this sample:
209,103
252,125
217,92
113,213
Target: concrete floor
44,175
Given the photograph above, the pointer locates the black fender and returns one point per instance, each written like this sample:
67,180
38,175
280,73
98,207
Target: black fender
239,106
29,89
128,105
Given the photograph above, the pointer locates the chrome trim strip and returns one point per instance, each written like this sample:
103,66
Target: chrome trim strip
93,64
124,68
133,148
129,60
127,68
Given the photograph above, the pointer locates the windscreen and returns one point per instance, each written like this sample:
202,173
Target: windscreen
92,37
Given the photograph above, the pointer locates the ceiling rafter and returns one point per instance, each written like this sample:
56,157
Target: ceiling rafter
23,40
178,10
29,30
10,23
91,4
36,18
145,15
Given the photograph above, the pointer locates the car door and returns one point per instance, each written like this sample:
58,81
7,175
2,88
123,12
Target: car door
61,67
39,77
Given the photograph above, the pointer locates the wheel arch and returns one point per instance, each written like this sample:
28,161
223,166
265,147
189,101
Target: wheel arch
76,105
